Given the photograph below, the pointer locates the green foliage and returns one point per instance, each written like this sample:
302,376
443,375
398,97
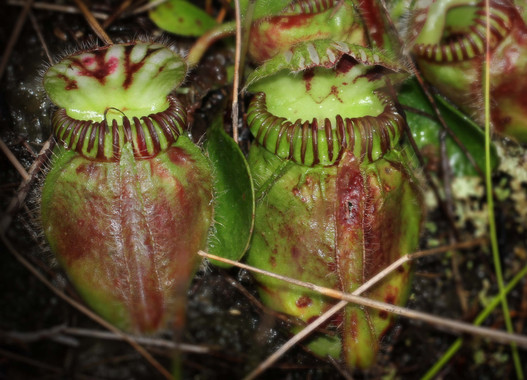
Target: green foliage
182,18
426,128
234,199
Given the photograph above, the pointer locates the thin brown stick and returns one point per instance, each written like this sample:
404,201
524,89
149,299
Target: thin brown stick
117,13
523,309
324,317
417,111
339,367
54,333
40,37
390,268
14,37
458,142
83,309
256,302
295,339
353,297
264,309
442,205
14,161
442,121
94,24
62,334
237,68
453,233
447,179
148,6
23,189
222,13
56,8
163,343
197,50
458,280
372,281
29,148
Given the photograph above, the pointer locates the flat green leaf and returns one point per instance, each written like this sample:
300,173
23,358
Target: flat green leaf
425,129
182,18
234,202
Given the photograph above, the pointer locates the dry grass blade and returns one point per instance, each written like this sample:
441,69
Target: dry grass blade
54,334
118,12
372,281
40,37
56,8
148,6
168,344
94,24
83,309
456,326
23,189
295,339
14,161
61,334
493,231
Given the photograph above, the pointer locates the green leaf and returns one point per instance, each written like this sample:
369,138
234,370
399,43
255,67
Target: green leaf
234,202
182,18
425,129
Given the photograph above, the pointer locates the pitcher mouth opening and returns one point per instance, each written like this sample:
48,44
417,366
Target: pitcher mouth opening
99,140
323,142
463,42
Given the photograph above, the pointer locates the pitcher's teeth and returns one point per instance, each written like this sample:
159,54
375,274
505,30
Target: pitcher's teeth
472,43
149,135
367,137
308,7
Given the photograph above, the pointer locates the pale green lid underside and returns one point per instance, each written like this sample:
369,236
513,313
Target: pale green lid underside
129,79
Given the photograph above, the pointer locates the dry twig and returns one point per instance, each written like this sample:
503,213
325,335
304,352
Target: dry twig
56,8
83,309
117,13
23,189
94,24
456,326
14,161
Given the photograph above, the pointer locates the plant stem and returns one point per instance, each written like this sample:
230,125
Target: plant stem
205,41
490,202
478,321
